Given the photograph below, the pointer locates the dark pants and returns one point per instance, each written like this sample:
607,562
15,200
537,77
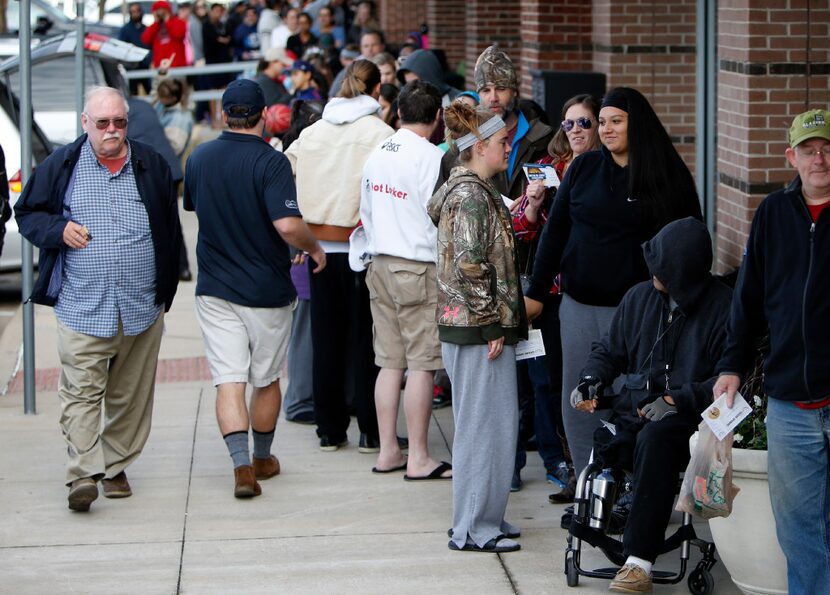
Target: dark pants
540,395
343,361
661,453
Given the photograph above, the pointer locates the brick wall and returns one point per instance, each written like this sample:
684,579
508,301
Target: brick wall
771,67
489,22
651,46
447,29
397,18
556,36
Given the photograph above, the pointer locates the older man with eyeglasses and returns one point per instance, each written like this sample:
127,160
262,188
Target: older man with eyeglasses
103,211
784,287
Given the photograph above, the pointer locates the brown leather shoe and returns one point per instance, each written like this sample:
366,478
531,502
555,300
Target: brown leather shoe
631,579
82,493
265,468
117,487
246,483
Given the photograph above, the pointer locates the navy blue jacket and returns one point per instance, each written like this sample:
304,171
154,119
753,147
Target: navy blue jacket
784,285
40,218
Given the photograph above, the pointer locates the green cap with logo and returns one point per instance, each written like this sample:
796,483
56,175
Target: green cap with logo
812,124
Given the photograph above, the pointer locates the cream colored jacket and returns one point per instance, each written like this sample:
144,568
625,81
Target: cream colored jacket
328,158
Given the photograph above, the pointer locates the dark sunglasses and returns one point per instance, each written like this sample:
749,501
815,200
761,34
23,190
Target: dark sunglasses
584,123
103,124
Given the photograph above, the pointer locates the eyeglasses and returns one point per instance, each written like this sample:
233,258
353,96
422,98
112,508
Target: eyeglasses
806,153
104,123
584,123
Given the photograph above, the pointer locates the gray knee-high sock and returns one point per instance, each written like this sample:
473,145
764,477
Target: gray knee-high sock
262,443
237,443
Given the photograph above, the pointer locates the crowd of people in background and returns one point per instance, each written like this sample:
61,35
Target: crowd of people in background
410,242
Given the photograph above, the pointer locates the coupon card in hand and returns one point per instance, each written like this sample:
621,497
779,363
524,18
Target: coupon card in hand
722,420
532,347
542,171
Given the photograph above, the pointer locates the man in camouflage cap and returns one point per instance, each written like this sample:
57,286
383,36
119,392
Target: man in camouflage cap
497,84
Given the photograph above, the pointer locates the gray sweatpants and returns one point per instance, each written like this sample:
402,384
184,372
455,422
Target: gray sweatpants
580,326
486,415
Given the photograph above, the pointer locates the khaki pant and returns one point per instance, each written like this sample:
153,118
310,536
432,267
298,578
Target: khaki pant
113,376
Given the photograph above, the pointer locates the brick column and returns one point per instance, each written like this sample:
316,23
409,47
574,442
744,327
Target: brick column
772,66
399,17
447,29
556,35
651,46
489,22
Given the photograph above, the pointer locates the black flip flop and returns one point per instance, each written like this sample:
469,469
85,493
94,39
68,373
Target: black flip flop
491,547
392,470
435,474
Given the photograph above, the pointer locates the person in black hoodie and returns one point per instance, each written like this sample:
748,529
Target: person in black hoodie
610,202
666,338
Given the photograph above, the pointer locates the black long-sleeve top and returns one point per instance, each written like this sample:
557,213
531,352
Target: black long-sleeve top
594,234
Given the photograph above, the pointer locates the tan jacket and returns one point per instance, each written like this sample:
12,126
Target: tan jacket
479,296
327,160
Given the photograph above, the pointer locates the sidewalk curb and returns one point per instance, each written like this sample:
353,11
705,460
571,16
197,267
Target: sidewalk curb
11,350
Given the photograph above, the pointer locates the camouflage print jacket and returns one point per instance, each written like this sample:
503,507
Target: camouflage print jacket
479,296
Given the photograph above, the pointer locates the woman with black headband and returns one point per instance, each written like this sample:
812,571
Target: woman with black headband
610,202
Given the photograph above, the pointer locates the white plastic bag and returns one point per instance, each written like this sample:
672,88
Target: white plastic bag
707,490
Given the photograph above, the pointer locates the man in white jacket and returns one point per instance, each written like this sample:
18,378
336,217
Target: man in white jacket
398,180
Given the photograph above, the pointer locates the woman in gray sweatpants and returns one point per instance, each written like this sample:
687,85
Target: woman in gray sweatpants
480,320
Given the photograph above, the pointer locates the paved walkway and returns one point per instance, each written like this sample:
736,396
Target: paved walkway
324,525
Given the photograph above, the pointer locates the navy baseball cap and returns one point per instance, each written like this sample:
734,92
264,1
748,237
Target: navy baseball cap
243,98
302,66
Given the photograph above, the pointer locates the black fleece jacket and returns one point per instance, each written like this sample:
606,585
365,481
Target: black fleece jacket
594,234
39,213
655,345
784,285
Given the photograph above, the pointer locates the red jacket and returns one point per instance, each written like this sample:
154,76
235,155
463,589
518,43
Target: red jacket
165,40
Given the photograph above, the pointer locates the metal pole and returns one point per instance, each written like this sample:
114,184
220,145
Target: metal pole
79,65
29,405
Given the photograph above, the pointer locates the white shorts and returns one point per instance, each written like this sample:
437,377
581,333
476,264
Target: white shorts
243,344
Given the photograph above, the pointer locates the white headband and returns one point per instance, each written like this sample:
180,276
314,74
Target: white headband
485,131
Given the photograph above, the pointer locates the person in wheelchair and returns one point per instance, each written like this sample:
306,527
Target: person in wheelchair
666,338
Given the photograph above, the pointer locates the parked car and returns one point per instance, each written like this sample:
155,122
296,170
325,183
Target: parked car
46,20
53,99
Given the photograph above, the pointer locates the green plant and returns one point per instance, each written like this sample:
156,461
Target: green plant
751,433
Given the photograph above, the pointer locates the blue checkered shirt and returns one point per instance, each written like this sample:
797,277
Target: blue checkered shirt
114,277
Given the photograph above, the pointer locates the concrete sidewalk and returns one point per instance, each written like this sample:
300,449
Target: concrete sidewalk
324,525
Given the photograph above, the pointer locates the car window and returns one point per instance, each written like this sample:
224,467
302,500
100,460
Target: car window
53,94
37,11
53,83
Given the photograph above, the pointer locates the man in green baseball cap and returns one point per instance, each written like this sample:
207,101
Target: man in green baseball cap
784,287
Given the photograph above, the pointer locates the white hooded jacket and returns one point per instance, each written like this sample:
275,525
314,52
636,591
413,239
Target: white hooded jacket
328,159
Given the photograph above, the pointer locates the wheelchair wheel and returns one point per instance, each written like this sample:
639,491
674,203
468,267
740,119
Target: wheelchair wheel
701,582
571,572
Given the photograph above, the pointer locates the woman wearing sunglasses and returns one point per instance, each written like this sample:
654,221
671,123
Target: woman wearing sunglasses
609,203
577,134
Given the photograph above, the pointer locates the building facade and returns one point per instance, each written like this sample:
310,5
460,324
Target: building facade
726,77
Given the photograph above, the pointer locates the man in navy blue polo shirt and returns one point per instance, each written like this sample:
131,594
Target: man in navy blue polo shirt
244,196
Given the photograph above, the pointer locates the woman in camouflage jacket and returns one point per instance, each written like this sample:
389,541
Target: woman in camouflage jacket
480,319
